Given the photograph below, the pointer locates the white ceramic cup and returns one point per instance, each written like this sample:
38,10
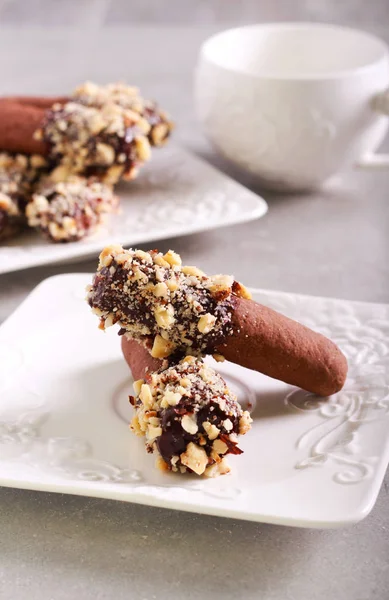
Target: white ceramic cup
294,103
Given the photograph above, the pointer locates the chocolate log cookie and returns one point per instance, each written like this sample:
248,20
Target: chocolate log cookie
18,174
128,97
267,341
70,210
179,310
190,418
102,131
108,142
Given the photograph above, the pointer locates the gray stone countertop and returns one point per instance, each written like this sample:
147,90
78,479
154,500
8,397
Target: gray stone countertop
331,243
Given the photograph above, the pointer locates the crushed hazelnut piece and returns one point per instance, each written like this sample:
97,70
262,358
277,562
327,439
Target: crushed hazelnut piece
206,323
188,270
217,469
173,258
172,398
146,396
137,386
161,290
211,430
241,290
164,316
143,148
105,154
135,426
220,447
245,423
159,260
153,432
220,283
227,424
161,464
195,458
161,348
159,134
218,357
189,424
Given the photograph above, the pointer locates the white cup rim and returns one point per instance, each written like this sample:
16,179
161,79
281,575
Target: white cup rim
206,51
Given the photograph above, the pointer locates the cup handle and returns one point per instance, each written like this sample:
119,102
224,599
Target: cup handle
380,103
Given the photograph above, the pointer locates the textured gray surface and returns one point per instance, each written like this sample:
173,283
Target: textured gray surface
99,13
58,547
332,243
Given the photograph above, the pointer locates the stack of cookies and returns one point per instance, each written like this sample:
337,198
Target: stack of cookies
171,316
60,158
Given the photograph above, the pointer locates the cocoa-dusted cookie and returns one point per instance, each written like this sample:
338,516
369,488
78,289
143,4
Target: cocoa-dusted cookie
128,97
70,210
18,173
109,142
190,418
179,310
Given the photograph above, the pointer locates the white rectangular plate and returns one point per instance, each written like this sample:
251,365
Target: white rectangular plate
175,194
307,461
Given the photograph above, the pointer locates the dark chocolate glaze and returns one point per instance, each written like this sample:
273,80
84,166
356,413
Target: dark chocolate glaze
4,221
174,439
107,293
120,144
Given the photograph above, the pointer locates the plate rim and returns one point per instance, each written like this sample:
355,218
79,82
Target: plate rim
86,248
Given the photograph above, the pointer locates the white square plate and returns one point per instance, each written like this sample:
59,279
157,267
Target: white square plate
175,194
307,461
